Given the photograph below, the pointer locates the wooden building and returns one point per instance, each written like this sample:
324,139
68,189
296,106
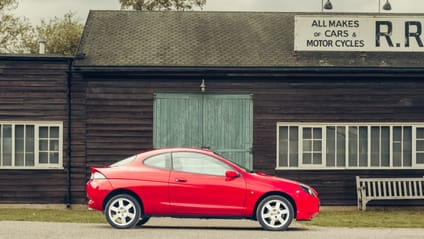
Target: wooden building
230,81
33,124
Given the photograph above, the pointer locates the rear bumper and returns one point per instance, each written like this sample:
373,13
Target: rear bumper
97,190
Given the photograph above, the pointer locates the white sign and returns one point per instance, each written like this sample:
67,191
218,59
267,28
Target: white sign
359,33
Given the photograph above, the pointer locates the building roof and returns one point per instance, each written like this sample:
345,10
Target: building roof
211,39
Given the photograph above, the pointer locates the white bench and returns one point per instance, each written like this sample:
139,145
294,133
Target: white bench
388,189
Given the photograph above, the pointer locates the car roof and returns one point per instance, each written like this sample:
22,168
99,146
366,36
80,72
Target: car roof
176,149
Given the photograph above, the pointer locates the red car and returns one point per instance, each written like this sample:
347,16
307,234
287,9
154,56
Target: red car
183,182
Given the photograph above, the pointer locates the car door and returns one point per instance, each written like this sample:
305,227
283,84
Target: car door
198,186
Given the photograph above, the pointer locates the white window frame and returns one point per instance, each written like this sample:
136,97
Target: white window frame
313,152
37,164
391,125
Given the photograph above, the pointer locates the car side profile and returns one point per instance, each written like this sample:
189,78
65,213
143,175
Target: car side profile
196,183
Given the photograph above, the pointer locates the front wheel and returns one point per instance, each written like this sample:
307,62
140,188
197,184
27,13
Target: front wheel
275,213
123,211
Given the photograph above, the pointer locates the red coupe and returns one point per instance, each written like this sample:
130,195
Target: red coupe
182,182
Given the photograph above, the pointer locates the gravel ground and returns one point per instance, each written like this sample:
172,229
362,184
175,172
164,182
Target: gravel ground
169,228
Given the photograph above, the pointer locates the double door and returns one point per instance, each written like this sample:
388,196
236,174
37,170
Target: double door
221,122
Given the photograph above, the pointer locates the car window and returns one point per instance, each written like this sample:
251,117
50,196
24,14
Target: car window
199,163
124,162
162,161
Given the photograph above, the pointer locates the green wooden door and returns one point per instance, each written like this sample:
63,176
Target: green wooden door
221,122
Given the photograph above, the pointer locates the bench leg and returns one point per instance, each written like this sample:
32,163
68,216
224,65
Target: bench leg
364,205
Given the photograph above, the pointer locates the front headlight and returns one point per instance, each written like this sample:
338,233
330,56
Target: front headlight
97,175
308,190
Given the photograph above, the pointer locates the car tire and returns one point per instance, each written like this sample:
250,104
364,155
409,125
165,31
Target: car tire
143,220
275,213
123,211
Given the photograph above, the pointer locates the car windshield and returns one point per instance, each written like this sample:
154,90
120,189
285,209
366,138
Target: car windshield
124,162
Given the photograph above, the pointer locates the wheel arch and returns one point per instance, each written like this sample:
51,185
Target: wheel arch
122,191
275,193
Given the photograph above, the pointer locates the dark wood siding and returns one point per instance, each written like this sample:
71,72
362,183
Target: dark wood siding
112,118
340,99
33,90
79,170
120,116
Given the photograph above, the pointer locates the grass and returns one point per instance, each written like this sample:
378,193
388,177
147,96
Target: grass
387,219
50,215
383,219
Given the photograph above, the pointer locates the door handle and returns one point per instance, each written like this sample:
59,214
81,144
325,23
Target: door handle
180,180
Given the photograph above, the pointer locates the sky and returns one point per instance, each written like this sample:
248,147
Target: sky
35,10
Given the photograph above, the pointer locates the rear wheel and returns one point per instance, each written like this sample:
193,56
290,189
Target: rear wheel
275,213
123,211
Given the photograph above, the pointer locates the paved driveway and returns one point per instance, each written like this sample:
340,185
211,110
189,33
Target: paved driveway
168,228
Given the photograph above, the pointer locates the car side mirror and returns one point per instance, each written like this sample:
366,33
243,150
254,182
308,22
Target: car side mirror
231,174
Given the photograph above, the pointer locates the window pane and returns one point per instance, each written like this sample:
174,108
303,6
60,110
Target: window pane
317,133
159,161
29,159
29,140
420,133
307,158
43,145
54,158
307,145
331,147
420,145
7,145
294,146
420,158
397,146
317,146
341,146
353,146
407,146
397,154
307,133
283,147
43,132
19,159
199,164
43,157
54,145
385,146
19,146
19,139
317,159
19,131
54,132
363,146
375,146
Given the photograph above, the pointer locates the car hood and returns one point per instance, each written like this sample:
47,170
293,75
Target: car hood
276,181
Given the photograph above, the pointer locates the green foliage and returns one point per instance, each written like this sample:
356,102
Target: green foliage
13,30
17,35
7,3
62,35
162,5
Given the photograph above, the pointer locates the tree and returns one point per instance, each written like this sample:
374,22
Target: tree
62,35
13,29
162,5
